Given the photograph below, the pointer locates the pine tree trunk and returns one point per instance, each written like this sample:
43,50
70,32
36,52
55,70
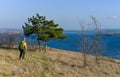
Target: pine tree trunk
45,46
39,46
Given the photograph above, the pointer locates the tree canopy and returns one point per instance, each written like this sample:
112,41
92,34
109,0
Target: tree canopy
43,29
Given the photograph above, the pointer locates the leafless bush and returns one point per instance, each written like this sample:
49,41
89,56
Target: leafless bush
91,45
85,44
97,41
9,39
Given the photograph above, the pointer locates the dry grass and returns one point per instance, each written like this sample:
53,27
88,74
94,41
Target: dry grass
55,63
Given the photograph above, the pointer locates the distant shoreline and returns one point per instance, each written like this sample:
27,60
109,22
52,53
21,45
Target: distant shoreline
20,29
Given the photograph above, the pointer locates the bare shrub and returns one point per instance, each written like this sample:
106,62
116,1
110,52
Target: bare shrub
9,39
85,44
91,45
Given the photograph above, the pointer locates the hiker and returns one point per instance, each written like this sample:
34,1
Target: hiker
22,47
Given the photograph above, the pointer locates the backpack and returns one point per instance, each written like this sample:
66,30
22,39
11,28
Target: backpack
20,46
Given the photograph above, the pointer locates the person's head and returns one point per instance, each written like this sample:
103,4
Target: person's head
24,39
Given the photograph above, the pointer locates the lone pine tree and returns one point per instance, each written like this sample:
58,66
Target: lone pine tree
43,29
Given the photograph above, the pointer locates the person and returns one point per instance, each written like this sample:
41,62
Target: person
22,48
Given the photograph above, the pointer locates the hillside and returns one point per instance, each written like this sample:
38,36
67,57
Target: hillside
55,63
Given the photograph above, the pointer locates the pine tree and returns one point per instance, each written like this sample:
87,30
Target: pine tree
43,29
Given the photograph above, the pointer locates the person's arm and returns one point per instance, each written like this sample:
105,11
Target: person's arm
25,45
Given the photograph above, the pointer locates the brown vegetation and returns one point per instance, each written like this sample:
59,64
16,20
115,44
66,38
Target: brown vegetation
55,63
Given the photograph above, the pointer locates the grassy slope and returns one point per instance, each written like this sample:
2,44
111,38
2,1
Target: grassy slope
54,64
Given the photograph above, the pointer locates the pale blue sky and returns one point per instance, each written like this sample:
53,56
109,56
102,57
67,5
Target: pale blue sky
66,13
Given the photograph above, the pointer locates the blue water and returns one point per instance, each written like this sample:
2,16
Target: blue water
111,44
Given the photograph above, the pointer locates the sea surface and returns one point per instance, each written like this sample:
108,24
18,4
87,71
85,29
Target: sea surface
110,43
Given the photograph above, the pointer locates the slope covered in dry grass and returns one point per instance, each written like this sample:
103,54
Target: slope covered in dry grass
55,63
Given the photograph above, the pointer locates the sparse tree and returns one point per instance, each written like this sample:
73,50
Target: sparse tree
91,44
83,47
97,41
86,43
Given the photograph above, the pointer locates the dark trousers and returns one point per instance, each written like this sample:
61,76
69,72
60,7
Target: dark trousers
22,54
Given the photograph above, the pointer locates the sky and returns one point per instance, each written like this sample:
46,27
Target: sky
67,13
